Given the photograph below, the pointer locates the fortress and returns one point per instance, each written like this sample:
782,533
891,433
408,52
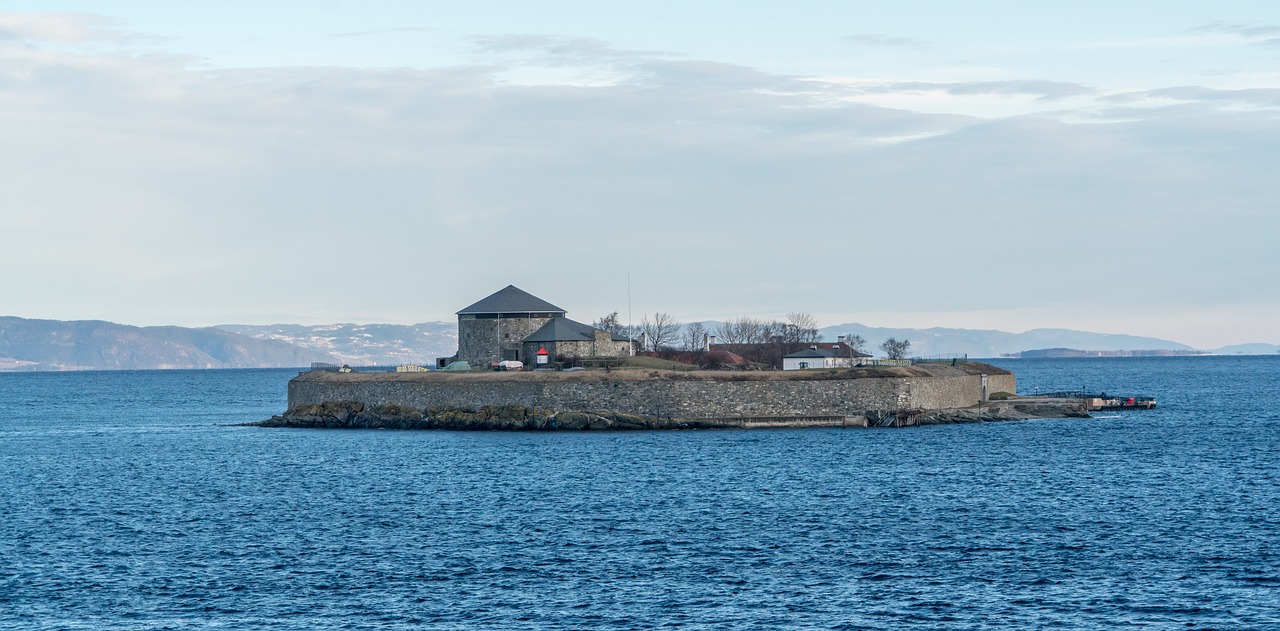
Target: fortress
512,324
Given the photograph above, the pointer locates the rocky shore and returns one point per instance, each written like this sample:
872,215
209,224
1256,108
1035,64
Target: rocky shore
357,415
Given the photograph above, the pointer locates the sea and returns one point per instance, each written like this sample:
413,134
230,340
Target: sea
134,500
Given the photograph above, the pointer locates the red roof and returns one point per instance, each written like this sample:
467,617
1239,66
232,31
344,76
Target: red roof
725,357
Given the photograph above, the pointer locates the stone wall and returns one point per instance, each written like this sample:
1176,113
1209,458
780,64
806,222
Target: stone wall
603,346
478,338
675,399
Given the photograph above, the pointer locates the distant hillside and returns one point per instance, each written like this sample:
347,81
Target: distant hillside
1072,352
94,344
1247,349
992,343
56,345
364,344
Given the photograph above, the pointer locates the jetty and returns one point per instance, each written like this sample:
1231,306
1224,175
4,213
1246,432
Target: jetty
1099,402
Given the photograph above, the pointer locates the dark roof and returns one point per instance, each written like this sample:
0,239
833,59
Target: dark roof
562,330
841,349
811,352
512,299
828,349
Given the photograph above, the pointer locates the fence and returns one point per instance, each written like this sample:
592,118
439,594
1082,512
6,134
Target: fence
327,367
1069,394
885,362
954,360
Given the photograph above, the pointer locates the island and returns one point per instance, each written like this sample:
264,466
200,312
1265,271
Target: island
514,328
663,399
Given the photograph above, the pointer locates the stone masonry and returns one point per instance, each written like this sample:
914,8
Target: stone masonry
663,398
480,340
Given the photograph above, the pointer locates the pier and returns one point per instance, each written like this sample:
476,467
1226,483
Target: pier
1102,402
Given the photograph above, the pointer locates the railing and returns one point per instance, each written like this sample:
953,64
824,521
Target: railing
328,367
885,362
1069,394
954,360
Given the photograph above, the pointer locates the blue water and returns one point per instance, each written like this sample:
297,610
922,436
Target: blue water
128,502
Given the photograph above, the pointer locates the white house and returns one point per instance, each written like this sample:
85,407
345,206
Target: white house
824,355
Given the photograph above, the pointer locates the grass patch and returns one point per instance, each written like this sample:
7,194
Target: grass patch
639,362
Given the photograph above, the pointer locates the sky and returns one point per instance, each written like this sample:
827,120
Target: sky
1109,167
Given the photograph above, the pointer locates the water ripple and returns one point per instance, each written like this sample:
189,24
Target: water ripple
129,504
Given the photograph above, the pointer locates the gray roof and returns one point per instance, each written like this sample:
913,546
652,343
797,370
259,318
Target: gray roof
563,330
842,351
512,299
811,352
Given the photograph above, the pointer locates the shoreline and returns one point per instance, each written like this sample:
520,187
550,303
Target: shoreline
356,415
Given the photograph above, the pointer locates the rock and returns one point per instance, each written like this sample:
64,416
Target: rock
355,415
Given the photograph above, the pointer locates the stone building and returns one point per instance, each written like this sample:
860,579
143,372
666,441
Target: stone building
564,338
514,324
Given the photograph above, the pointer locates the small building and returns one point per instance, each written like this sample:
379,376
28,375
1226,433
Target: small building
563,338
824,355
492,329
512,325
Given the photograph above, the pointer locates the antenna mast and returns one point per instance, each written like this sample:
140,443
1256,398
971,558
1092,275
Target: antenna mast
631,331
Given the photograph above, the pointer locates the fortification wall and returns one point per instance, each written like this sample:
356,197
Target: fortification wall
674,399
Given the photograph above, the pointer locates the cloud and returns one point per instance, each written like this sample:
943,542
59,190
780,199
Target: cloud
1252,97
59,27
1040,89
384,31
148,185
1257,34
1257,96
557,50
885,41
1244,30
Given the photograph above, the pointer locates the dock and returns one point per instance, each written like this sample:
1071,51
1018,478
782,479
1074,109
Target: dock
1102,402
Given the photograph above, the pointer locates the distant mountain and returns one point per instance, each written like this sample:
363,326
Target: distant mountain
57,345
1072,352
992,343
94,344
1247,349
364,344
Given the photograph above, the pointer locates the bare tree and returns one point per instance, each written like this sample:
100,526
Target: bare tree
661,331
856,342
743,330
694,337
801,328
611,325
894,349
729,332
773,332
